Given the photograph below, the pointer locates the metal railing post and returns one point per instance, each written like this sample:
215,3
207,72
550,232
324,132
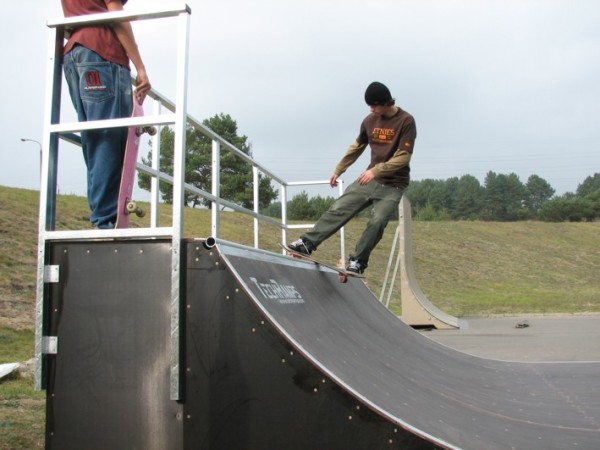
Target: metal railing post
342,230
216,189
284,219
48,181
256,182
178,199
155,181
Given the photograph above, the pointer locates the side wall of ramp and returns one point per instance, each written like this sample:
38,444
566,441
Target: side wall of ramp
417,309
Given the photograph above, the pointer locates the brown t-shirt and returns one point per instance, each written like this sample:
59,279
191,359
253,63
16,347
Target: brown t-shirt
100,39
391,140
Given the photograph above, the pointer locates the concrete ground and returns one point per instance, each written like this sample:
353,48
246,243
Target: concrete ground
526,338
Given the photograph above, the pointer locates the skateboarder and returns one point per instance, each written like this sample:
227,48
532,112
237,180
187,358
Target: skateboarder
390,132
96,65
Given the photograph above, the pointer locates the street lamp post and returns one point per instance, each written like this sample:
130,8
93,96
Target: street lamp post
40,145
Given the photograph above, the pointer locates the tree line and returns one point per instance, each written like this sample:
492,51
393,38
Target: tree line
501,197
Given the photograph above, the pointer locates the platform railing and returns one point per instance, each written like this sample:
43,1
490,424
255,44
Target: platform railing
164,113
54,129
217,202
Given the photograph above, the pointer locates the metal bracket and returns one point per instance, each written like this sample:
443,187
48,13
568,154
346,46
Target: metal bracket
50,345
51,274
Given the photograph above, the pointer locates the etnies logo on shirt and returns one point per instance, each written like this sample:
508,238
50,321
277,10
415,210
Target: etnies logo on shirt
92,80
383,135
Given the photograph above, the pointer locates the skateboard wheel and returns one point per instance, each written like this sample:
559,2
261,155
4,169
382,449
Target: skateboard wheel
148,129
131,207
343,278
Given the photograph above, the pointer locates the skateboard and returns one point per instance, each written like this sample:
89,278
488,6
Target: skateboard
342,273
125,204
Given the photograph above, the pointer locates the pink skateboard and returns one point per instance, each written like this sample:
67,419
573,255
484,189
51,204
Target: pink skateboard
126,205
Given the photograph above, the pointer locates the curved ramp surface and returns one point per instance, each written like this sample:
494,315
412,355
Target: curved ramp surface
282,355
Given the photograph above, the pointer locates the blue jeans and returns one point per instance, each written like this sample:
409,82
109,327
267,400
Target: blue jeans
100,90
385,201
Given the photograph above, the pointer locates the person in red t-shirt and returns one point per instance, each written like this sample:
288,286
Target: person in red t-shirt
96,66
391,134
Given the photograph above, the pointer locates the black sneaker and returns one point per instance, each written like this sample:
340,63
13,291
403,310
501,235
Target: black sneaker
356,266
301,246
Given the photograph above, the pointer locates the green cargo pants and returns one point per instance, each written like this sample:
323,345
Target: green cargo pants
385,201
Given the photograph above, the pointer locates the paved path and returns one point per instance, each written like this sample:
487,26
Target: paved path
547,338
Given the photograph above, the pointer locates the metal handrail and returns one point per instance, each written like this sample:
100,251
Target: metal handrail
177,117
53,129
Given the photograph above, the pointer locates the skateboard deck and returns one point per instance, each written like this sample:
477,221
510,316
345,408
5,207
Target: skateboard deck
343,274
125,204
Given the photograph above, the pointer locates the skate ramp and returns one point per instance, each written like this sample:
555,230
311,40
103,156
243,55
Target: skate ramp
417,309
430,395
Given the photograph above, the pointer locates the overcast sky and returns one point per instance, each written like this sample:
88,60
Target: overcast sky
500,85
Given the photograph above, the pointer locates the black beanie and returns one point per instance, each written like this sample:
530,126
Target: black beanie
377,94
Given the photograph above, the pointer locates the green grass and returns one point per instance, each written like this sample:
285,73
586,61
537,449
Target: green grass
22,415
509,268
21,408
15,345
465,268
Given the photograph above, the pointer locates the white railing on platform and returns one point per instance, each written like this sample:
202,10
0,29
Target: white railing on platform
176,116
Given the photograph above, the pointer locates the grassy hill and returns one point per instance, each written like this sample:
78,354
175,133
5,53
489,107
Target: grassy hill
465,268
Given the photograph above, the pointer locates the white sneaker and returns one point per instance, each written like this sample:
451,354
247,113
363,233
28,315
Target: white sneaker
355,266
301,246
